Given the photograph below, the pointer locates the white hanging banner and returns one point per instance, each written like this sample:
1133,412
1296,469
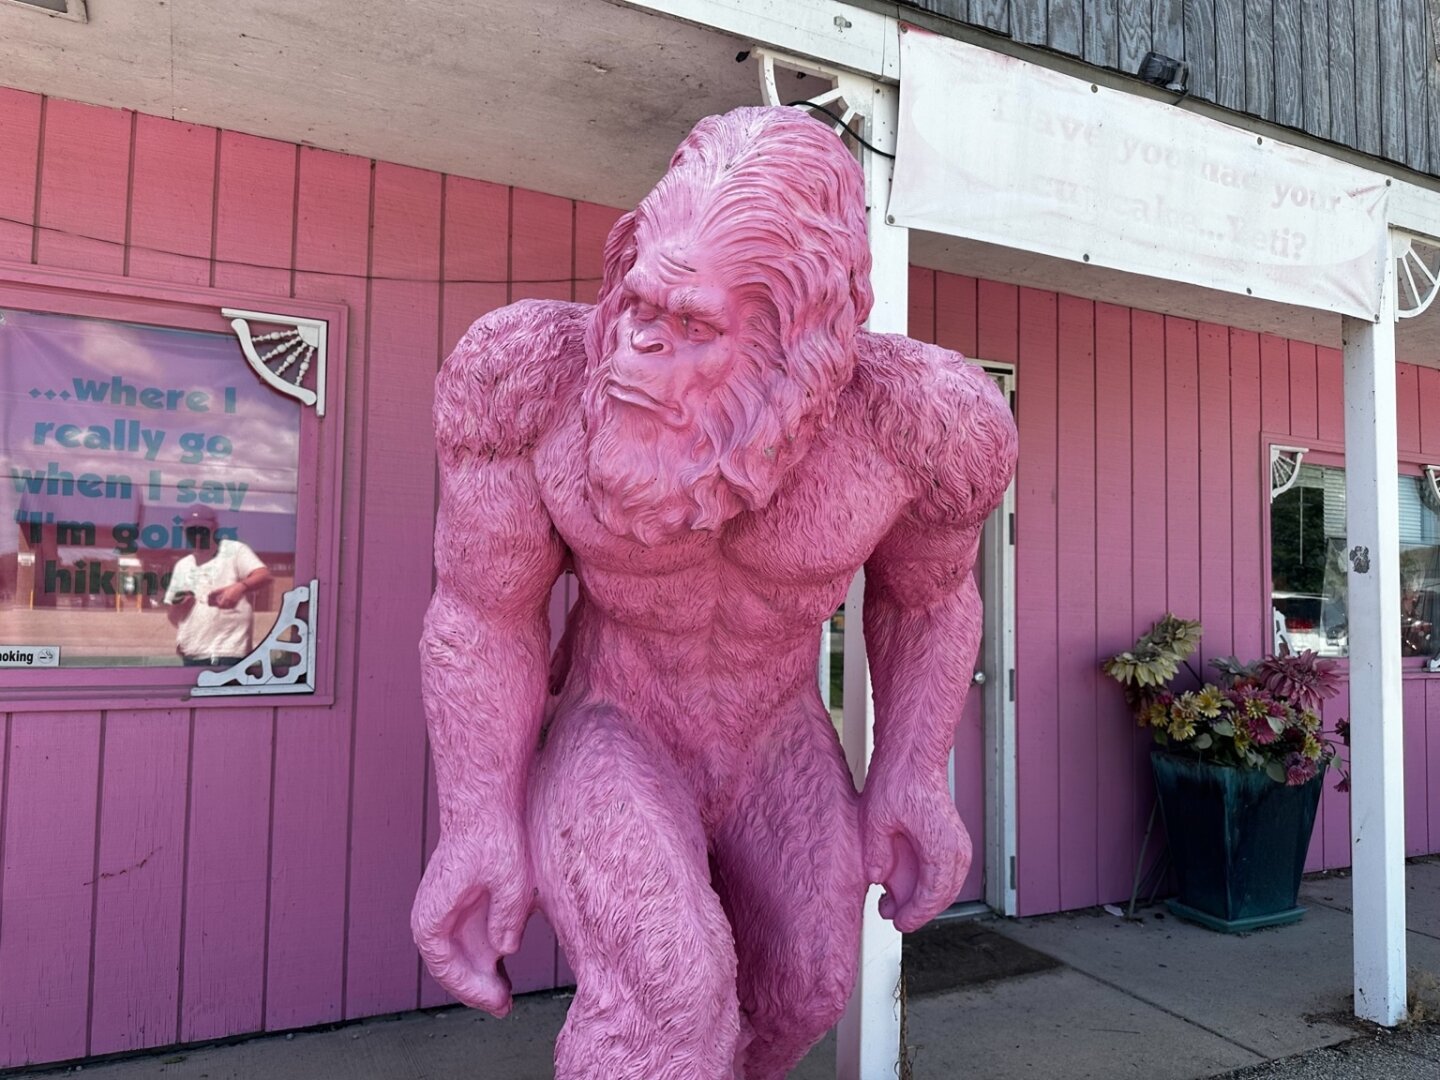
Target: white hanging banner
996,149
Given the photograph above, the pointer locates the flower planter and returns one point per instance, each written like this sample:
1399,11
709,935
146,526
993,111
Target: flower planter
1238,841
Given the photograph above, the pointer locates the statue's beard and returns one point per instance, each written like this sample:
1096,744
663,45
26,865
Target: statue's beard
652,475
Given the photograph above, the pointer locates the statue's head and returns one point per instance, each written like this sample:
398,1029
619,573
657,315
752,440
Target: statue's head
724,331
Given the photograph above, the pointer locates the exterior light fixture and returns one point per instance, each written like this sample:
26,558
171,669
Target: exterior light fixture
64,9
1165,72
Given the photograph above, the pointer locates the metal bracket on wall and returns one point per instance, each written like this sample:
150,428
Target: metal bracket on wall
292,352
1285,468
1417,274
284,663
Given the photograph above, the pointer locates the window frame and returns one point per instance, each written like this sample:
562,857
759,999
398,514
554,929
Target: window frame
318,480
1329,453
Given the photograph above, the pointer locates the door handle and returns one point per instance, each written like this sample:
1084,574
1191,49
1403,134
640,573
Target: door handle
978,678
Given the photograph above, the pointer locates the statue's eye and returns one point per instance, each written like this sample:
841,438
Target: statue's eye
645,312
699,332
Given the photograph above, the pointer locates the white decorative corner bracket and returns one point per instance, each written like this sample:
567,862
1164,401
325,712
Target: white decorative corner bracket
1285,468
1417,274
291,354
847,99
264,671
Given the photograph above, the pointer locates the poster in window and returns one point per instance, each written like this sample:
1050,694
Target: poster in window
147,513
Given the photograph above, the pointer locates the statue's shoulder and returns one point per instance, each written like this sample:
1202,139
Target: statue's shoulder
506,381
943,420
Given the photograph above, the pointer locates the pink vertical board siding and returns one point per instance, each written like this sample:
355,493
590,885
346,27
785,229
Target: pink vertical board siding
1148,527
1407,407
1037,719
477,245
48,883
1076,664
140,886
1216,580
84,177
1428,387
1304,391
1249,470
1417,815
1330,395
389,769
173,201
254,214
20,136
921,314
1114,619
1274,383
226,873
592,225
305,941
956,318
1182,469
542,246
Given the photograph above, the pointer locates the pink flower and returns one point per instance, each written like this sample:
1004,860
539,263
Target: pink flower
1298,770
1304,680
1260,730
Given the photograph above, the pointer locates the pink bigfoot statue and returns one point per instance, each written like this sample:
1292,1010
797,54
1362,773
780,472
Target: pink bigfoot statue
714,449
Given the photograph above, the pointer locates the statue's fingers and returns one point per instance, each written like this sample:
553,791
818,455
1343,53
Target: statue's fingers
510,909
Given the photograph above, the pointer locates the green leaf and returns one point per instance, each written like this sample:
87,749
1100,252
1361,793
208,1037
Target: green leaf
1277,725
1275,771
1224,728
1203,741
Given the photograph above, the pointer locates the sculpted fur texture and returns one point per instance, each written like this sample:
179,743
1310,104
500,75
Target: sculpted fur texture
714,449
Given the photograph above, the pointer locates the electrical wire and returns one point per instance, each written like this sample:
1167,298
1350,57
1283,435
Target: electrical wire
841,121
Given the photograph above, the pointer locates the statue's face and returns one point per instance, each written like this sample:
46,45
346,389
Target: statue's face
676,336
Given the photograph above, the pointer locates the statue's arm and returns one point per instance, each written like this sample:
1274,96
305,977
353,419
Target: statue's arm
923,620
484,658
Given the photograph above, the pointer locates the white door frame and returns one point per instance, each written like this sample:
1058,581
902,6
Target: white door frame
997,661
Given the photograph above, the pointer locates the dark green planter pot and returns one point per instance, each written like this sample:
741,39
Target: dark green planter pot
1237,840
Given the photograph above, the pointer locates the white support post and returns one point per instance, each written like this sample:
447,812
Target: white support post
1377,795
868,1046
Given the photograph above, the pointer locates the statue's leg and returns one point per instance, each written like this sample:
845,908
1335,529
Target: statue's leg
789,873
623,872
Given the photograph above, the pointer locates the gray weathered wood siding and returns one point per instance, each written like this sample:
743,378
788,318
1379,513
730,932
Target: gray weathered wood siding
1363,73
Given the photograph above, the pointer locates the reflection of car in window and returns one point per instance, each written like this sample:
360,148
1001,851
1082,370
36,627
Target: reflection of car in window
1311,621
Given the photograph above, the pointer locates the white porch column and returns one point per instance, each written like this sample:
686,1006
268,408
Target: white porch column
1377,799
869,1034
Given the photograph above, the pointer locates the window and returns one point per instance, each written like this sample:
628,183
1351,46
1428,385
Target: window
159,498
1308,564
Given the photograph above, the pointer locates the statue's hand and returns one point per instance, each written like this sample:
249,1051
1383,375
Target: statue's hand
470,911
914,844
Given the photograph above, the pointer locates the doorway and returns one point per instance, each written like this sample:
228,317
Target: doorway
982,764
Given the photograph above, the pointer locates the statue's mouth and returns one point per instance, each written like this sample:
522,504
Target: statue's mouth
669,414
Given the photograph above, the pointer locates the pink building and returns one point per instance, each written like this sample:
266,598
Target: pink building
178,867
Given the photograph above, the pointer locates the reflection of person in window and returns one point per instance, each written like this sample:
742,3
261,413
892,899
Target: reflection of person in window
209,594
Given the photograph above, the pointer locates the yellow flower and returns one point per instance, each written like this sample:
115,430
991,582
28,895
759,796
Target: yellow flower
1209,701
1182,727
1242,739
1312,748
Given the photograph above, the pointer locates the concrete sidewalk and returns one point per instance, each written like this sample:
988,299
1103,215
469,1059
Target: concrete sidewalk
1156,999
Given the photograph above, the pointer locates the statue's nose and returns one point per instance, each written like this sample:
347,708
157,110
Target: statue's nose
648,340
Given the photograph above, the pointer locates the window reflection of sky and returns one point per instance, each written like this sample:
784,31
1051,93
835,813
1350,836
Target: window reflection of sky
47,352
